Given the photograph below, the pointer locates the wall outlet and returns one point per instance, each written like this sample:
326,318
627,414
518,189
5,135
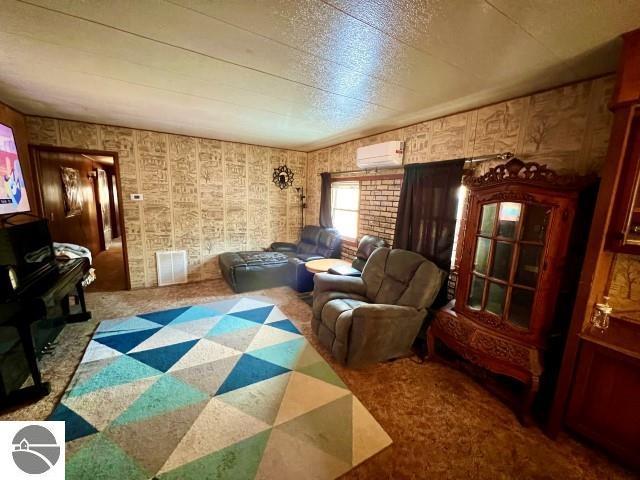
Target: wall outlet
136,197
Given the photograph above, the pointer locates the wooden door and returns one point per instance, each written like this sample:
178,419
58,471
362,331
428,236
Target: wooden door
68,199
104,207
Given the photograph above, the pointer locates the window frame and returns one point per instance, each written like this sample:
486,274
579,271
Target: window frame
516,244
345,239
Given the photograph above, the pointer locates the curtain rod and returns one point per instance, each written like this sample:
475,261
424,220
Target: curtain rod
472,160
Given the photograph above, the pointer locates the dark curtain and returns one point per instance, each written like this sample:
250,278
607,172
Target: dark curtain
426,218
325,200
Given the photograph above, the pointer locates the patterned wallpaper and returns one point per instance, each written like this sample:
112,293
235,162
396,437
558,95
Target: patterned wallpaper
209,196
567,128
204,196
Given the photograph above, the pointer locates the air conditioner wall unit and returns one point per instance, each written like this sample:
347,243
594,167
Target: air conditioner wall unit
380,155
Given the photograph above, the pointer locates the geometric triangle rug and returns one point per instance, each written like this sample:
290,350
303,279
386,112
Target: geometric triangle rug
224,390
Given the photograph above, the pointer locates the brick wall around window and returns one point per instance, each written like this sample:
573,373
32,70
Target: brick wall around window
377,212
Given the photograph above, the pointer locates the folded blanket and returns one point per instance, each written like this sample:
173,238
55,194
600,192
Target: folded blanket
71,250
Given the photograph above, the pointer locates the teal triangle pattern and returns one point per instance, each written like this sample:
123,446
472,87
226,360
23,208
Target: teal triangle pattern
208,409
165,317
126,341
284,354
258,315
250,370
194,313
124,370
74,425
229,323
125,326
163,358
163,396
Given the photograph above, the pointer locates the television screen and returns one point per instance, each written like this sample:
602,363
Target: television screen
13,195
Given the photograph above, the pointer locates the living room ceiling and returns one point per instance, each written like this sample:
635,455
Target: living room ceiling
294,73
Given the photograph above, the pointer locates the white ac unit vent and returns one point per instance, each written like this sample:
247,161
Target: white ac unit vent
172,267
380,155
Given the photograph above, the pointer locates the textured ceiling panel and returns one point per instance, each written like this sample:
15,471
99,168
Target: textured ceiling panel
294,73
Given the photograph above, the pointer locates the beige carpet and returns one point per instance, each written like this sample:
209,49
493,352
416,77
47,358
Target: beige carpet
443,424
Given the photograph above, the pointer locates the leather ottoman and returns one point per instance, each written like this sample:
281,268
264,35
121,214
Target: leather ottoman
247,271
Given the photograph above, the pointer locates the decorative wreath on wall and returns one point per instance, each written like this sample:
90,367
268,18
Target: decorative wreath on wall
283,177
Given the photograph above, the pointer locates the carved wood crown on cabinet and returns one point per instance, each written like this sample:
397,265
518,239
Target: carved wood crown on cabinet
514,246
530,173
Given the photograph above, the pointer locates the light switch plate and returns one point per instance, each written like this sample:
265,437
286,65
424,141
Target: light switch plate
136,197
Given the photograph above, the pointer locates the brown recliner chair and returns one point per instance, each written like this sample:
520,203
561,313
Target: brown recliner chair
377,316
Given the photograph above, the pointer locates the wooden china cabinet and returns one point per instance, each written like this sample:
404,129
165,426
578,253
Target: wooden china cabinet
514,246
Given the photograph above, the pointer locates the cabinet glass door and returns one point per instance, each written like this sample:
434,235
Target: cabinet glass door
509,245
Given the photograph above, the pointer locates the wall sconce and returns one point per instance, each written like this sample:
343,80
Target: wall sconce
600,315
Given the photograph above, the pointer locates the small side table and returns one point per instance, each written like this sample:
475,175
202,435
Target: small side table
320,266
324,264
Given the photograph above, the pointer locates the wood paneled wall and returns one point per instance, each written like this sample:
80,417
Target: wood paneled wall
81,229
204,196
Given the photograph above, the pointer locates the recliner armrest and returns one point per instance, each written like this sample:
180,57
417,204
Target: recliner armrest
326,282
345,270
283,247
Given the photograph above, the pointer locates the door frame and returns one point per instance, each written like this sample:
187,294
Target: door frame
96,194
34,154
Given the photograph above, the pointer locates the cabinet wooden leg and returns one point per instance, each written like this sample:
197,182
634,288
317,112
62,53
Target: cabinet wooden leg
529,397
431,344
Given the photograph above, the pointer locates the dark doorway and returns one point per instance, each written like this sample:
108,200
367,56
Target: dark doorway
78,193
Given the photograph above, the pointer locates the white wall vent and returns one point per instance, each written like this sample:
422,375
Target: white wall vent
380,155
172,267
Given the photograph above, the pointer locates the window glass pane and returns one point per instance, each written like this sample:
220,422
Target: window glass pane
488,219
345,197
520,307
476,291
536,219
495,298
528,265
346,222
502,260
482,255
508,219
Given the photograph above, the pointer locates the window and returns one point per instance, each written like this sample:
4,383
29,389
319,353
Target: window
345,200
462,198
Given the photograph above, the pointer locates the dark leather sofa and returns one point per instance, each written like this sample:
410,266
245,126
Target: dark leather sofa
315,243
283,264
